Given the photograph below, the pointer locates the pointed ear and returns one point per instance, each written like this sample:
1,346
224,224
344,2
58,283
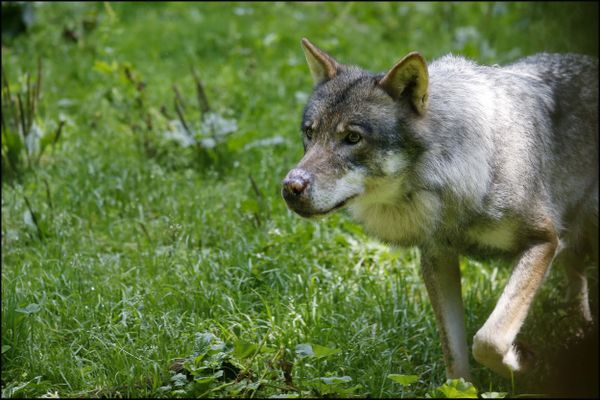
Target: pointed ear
322,65
408,77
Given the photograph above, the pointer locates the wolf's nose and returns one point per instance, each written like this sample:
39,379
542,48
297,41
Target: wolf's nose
295,183
297,186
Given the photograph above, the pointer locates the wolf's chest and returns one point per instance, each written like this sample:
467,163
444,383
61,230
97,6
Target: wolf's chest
403,223
418,219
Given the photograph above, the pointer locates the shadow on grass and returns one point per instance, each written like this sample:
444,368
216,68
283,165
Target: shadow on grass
570,369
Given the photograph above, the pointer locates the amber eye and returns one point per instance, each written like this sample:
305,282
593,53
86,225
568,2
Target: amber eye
353,137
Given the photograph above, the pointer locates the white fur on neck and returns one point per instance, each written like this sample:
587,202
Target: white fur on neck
389,215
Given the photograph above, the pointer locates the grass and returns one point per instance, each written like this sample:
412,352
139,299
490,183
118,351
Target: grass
122,250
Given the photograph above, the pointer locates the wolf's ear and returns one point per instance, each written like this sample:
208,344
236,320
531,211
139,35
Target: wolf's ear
322,65
409,76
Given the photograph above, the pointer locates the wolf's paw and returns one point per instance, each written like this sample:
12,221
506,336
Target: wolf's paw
525,355
502,358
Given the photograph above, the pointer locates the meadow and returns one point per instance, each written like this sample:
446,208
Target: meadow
146,249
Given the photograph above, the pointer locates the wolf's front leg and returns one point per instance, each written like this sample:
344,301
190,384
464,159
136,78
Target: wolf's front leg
493,345
442,279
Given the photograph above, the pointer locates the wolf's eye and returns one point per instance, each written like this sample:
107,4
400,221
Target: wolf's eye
353,137
309,133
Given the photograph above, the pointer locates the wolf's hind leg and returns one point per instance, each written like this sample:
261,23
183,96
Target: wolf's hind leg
577,293
493,344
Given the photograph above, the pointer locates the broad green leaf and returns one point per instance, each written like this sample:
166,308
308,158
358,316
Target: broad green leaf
243,349
304,350
179,380
104,67
403,380
322,351
202,342
457,389
218,347
314,350
30,309
210,378
5,348
335,380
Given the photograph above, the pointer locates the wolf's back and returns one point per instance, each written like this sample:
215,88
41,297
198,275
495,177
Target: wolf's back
573,162
569,161
524,136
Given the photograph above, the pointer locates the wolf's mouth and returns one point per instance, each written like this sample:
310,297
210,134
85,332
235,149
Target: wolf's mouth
312,214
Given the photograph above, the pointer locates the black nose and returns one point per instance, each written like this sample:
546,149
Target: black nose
295,183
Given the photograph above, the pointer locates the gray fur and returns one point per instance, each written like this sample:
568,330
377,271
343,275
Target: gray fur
532,149
502,159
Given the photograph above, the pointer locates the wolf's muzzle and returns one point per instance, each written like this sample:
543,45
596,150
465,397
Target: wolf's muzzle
295,184
295,189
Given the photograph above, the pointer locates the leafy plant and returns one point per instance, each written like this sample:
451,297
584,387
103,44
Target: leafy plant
25,135
403,380
314,350
225,368
455,389
334,386
200,129
209,135
215,367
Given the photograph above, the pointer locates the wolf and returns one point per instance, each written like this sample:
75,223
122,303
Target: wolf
460,159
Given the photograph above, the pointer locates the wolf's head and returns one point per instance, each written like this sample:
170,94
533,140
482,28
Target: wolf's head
357,130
